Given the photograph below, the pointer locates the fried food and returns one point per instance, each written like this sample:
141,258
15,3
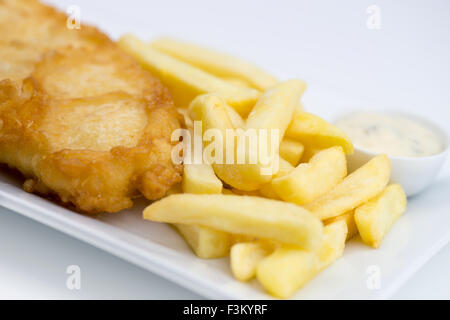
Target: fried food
79,117
186,81
312,173
206,243
376,217
357,188
246,256
246,215
292,151
200,179
216,63
284,168
212,111
310,180
289,268
28,29
273,111
349,219
316,133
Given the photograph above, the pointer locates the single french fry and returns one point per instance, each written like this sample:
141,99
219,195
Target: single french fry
185,81
308,181
200,179
375,218
238,82
349,218
245,257
206,243
253,216
286,270
235,118
316,133
219,64
292,151
275,107
333,244
211,110
357,188
290,268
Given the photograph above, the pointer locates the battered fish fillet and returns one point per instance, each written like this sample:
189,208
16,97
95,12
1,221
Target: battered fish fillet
79,117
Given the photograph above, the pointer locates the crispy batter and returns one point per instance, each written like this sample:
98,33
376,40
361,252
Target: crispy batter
79,117
29,28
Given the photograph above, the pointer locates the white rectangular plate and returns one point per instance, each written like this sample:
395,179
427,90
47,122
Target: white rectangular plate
420,233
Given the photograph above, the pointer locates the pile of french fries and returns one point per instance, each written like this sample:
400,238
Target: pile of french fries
282,228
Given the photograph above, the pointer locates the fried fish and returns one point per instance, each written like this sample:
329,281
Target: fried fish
79,118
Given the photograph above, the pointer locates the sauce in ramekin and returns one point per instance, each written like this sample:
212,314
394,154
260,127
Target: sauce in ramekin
394,135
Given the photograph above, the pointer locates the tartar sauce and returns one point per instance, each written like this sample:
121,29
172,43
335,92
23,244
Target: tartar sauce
393,135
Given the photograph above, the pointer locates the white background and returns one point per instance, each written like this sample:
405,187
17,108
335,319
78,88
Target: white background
404,65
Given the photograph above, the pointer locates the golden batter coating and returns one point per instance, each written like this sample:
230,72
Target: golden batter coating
79,117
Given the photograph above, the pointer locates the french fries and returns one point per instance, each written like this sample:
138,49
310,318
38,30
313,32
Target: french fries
206,243
282,227
252,216
246,256
275,107
376,217
185,81
310,180
200,179
357,188
349,218
314,132
216,63
292,151
238,82
273,111
211,110
290,268
335,235
286,270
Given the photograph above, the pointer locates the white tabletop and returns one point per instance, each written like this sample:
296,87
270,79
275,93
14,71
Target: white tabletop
404,64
